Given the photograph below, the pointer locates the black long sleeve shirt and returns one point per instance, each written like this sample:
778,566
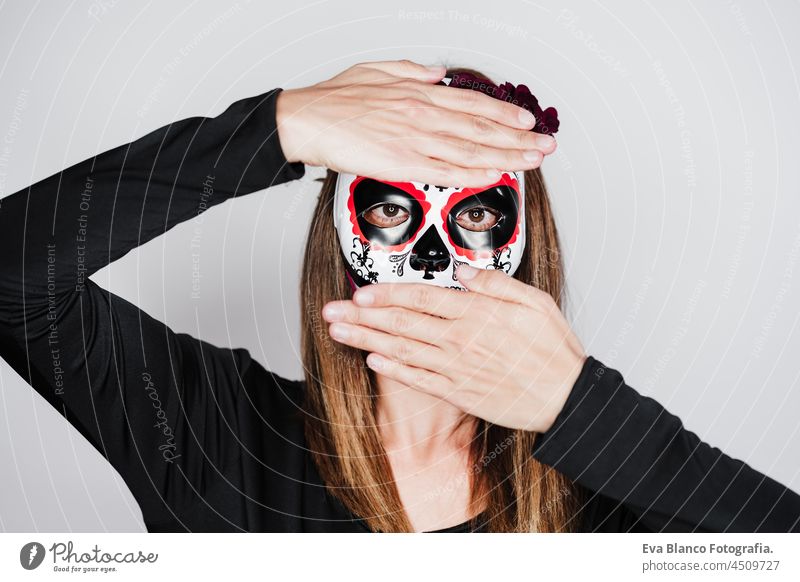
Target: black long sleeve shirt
206,438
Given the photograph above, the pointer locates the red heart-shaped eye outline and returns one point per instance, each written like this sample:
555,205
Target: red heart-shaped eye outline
506,179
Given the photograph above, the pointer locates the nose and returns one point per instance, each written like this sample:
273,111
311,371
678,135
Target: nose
429,254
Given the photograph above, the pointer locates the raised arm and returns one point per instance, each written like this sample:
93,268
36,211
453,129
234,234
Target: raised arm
627,447
97,210
151,401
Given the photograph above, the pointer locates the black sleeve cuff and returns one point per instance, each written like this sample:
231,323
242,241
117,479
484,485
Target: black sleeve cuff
272,155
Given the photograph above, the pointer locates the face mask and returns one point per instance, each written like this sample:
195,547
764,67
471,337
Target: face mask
419,233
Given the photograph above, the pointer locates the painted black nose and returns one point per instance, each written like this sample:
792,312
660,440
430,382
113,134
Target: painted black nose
429,254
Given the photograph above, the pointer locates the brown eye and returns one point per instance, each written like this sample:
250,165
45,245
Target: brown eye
386,215
478,218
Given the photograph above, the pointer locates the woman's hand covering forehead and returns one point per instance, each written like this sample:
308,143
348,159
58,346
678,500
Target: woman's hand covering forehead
390,120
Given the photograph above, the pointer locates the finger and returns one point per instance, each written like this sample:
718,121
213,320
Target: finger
417,378
429,170
400,349
496,283
394,320
477,103
487,132
407,69
431,299
476,155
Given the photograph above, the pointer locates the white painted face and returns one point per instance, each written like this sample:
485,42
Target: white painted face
419,233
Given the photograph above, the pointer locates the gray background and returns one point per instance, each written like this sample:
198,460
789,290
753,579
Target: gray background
674,187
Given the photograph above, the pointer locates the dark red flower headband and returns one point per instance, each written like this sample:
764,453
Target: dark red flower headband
546,120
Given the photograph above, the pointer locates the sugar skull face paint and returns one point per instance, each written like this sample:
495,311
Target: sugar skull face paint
419,233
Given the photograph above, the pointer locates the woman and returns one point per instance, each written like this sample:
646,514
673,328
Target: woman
208,440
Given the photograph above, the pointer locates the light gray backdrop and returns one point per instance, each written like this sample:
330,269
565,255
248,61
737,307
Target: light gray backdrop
675,189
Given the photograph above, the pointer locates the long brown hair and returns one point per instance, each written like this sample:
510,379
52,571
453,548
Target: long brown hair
519,493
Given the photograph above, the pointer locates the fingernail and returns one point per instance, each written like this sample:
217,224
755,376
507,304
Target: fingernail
333,311
374,361
466,272
339,332
364,297
526,117
545,141
532,155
